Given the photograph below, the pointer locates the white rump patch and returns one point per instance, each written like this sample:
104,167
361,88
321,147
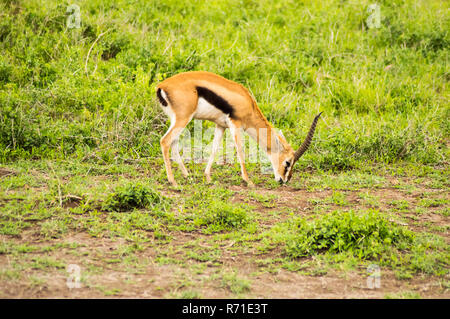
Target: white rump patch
164,95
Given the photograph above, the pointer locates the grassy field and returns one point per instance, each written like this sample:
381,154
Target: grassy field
82,181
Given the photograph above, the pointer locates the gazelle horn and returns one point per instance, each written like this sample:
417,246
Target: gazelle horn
302,149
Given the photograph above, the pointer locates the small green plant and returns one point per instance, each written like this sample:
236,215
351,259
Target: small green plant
131,196
12,228
404,295
366,236
53,228
400,204
220,216
46,262
203,257
336,198
268,201
339,198
190,294
433,202
235,284
369,199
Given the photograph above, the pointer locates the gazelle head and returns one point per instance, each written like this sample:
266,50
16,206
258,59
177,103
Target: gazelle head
282,164
283,161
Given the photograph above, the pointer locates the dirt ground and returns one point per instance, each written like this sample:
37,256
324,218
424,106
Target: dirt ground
160,271
156,280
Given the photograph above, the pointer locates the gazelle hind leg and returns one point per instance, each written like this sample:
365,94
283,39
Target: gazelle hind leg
166,142
177,157
218,134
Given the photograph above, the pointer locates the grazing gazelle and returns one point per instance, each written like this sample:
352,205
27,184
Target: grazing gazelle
207,96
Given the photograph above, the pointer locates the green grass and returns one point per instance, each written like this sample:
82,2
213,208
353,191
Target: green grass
383,91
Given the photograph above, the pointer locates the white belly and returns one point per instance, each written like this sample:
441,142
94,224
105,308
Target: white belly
207,111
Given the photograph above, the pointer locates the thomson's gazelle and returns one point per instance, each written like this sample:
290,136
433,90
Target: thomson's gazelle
207,96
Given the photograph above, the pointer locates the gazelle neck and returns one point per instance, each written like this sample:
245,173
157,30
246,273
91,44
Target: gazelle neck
266,135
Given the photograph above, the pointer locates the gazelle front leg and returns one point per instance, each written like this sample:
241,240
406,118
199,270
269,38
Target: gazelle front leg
236,134
218,134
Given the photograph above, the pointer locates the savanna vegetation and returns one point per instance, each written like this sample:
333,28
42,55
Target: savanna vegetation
82,179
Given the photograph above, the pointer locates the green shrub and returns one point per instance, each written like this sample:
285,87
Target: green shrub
131,196
220,216
365,236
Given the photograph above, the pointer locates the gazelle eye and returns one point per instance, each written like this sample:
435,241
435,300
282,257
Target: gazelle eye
286,166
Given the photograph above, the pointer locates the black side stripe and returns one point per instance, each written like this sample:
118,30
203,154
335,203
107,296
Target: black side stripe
160,97
216,100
